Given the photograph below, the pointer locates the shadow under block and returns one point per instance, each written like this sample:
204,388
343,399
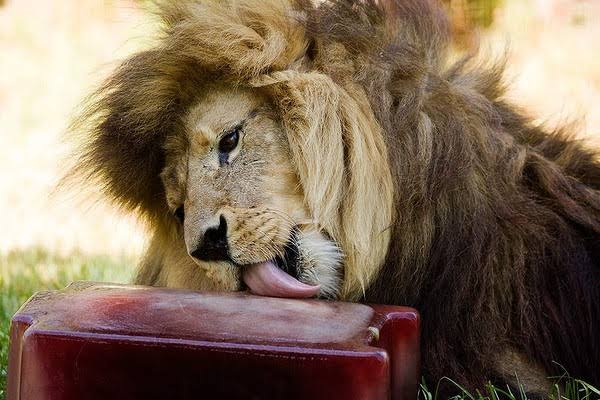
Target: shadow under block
106,341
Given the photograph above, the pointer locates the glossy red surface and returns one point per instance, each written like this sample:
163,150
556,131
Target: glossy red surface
103,341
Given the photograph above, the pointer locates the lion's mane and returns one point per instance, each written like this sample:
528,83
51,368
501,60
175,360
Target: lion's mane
441,194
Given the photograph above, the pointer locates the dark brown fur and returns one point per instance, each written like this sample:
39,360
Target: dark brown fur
497,238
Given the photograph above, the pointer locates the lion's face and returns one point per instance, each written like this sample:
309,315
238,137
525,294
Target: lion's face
230,182
288,172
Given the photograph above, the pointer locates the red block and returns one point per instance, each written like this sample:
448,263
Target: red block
104,341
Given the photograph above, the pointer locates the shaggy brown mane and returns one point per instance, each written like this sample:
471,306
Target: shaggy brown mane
497,240
495,232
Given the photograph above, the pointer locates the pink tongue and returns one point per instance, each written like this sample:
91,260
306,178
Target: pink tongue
266,279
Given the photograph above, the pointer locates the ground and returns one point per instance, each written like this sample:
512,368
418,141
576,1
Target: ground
54,52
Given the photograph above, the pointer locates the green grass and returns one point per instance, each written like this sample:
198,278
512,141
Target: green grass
563,388
23,273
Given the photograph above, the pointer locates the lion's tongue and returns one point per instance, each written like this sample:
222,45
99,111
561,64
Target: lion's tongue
266,279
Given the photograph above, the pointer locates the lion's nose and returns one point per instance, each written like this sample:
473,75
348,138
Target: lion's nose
213,246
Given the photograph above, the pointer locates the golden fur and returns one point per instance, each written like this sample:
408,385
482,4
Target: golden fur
397,178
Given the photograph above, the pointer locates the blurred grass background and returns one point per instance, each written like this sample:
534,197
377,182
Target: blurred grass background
53,52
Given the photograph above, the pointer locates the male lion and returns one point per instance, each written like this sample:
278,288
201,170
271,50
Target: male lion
330,150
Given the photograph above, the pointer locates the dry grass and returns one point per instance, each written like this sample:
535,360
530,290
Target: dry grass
553,63
52,54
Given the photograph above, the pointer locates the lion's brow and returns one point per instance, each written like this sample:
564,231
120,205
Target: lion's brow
240,124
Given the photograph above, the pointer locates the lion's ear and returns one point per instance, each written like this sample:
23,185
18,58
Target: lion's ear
341,159
123,126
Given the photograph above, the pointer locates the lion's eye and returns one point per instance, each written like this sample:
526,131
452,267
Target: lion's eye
230,141
180,214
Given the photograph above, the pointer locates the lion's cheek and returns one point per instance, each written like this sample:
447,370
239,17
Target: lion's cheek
256,235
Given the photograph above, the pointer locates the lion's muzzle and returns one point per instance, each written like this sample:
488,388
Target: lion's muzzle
242,236
264,243
214,245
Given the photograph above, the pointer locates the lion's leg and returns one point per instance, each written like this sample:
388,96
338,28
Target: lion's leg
149,269
514,369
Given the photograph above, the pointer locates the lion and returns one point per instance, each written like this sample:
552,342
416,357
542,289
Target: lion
332,150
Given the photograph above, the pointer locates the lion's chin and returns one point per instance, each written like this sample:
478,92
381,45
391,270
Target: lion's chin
267,279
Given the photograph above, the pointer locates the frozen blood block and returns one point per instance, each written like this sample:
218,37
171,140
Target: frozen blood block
106,341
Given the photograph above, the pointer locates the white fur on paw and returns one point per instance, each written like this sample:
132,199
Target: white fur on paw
320,262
